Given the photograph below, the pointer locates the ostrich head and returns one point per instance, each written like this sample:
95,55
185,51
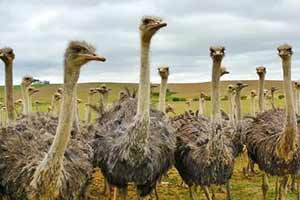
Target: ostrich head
285,51
266,91
261,70
103,89
60,90
239,86
149,26
297,85
79,53
202,95
7,55
32,90
163,71
79,101
217,53
223,71
57,96
273,89
253,93
92,91
230,89
19,102
27,80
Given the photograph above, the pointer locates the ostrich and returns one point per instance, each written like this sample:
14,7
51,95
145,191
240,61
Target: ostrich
37,103
237,99
201,103
88,117
266,96
54,108
231,96
189,104
18,106
163,72
135,143
7,56
25,84
272,140
253,95
261,72
273,90
170,109
206,149
36,169
31,91
104,92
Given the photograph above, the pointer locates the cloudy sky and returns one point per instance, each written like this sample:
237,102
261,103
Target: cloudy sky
251,30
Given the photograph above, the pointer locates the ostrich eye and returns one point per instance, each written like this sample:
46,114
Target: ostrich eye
146,21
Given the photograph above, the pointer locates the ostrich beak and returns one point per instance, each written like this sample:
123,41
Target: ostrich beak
94,56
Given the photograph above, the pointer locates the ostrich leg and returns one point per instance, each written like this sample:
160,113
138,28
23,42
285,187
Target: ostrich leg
206,192
283,188
265,186
293,184
276,189
228,197
192,193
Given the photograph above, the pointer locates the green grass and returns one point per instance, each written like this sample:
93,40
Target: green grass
243,188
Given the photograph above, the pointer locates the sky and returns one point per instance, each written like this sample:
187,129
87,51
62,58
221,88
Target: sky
251,30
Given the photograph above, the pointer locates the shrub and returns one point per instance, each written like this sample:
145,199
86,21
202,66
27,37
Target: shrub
178,99
244,97
224,98
281,96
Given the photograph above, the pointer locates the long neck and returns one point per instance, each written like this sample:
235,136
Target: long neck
29,104
162,94
238,106
53,106
143,108
287,83
9,96
296,101
88,110
231,107
105,100
253,106
201,106
66,118
25,97
216,113
261,98
288,141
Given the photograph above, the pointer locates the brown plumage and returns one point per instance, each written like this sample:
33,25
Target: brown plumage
39,156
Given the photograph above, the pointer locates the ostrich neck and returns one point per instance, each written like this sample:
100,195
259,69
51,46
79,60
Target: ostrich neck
105,100
261,100
238,106
143,108
66,118
201,106
88,111
9,96
289,104
25,97
216,114
29,104
253,106
162,94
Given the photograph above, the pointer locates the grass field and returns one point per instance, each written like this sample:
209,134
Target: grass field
243,188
